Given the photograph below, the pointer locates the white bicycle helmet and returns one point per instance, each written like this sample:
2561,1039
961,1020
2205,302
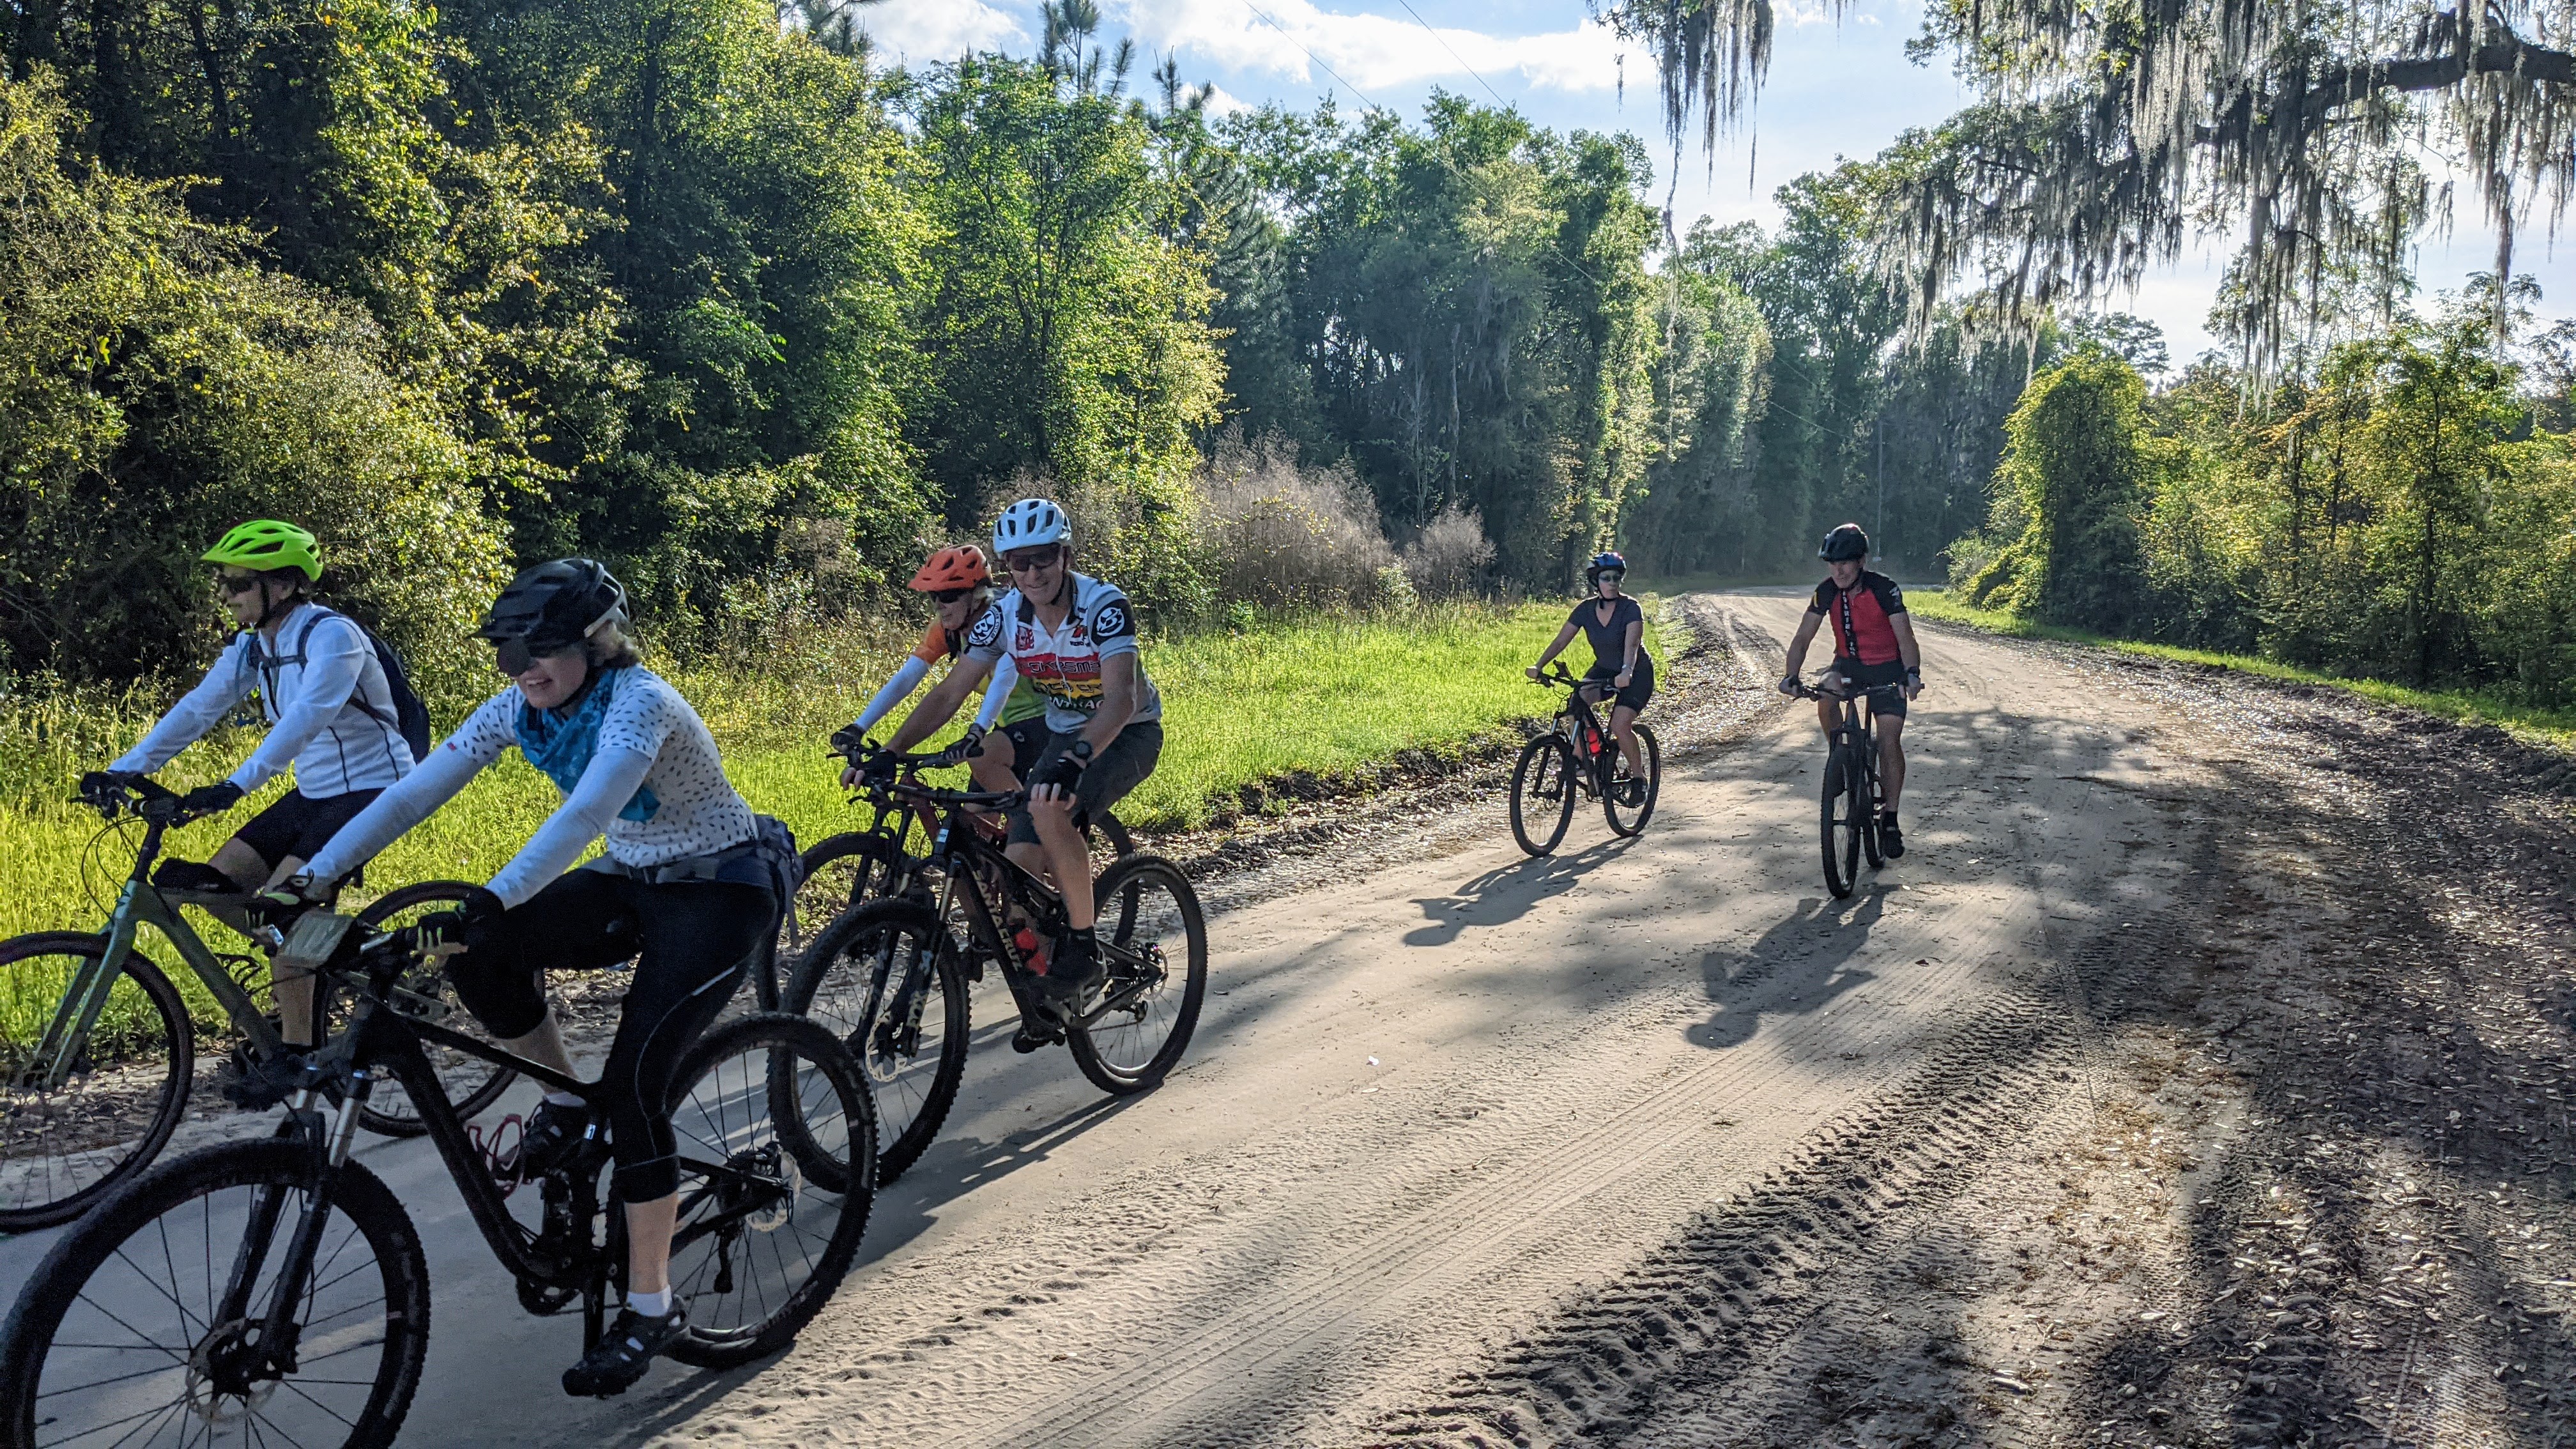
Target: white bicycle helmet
1029,523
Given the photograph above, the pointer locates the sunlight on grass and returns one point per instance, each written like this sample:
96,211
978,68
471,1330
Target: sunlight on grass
2552,726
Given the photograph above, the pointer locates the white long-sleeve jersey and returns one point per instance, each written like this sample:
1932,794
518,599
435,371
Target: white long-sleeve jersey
331,714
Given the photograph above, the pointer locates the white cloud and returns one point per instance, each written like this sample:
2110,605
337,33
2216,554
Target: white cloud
918,32
1367,51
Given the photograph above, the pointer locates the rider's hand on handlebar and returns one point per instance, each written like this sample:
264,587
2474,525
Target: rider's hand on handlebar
876,769
465,926
283,902
104,787
967,748
1789,684
212,799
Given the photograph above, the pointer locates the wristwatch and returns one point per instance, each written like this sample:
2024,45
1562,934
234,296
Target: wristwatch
1080,750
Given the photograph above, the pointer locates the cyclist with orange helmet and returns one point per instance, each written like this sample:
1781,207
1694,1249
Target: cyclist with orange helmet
961,589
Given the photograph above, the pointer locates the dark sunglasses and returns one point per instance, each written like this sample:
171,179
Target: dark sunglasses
1031,562
236,583
949,596
513,657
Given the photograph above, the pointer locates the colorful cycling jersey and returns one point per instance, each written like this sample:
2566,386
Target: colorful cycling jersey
1023,702
1064,664
1860,616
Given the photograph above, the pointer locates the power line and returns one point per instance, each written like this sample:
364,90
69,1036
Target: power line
1454,55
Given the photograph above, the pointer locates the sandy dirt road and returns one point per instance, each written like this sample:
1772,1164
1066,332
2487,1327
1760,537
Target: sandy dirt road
2095,1119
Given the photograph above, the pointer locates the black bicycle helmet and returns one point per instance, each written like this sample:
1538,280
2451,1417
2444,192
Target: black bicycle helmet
550,608
1846,541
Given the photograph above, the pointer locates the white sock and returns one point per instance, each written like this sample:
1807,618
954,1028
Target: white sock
566,1099
651,1305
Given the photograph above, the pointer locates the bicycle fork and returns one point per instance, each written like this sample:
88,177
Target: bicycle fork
233,1360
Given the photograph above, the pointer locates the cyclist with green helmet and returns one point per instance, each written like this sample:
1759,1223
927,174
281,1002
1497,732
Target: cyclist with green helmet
333,718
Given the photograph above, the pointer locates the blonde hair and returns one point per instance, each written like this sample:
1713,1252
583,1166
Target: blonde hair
613,645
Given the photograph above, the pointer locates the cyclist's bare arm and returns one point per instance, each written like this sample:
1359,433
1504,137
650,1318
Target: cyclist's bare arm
1907,650
1564,637
1806,635
1117,701
940,704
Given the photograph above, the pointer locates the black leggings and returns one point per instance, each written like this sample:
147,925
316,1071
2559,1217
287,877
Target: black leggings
696,936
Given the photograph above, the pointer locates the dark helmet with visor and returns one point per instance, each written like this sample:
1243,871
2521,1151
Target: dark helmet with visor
551,608
1845,542
1604,562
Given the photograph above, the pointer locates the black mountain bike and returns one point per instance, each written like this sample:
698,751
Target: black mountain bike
1580,756
1849,811
844,870
274,1292
890,975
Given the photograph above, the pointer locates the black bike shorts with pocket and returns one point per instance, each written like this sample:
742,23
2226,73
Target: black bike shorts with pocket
1103,783
1641,685
1885,683
298,825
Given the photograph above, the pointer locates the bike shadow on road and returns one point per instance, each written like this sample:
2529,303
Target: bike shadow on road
1803,964
958,1164
1501,896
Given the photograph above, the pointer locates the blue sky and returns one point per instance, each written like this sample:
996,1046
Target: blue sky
1838,86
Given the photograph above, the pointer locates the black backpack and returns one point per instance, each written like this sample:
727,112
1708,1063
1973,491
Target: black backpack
411,717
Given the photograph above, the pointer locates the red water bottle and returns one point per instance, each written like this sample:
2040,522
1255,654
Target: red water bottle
1027,941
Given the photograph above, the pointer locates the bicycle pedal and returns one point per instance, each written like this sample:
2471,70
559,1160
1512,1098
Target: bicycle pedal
1025,1041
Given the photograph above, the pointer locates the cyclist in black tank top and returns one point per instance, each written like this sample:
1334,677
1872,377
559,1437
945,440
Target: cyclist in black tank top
1866,614
1621,669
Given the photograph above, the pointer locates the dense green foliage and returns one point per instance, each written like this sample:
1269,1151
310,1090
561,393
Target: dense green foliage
2392,513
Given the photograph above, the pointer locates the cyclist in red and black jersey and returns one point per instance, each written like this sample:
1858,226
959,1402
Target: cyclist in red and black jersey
1874,649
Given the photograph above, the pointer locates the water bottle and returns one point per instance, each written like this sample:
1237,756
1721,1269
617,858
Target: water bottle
1031,950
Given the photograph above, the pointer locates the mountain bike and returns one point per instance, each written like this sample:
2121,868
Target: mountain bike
90,1099
1580,756
275,1292
1849,812
882,860
889,975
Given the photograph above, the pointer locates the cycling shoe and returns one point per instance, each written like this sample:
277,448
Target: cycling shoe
614,1363
1891,841
553,1131
256,1083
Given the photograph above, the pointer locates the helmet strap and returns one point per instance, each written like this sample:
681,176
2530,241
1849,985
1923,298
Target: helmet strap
272,610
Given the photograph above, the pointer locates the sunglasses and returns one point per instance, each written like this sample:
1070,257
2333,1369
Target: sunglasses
513,657
1032,561
236,583
949,596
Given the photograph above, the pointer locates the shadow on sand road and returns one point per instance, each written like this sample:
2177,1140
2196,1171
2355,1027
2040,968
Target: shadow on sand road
1797,966
1501,896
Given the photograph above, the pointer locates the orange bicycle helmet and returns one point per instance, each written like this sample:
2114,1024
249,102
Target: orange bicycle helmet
961,567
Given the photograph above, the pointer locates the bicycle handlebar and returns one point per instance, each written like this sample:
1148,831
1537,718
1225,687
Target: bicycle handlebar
142,797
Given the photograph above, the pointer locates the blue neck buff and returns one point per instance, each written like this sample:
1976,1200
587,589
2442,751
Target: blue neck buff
561,745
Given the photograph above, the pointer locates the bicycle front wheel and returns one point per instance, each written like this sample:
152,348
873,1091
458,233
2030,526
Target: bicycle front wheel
64,1148
1542,794
425,993
1153,940
1843,818
885,979
1624,782
778,1167
148,1323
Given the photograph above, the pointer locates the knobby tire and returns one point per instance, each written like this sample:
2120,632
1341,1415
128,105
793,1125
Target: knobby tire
38,1194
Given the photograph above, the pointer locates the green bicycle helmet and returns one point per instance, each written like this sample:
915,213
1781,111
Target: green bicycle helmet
265,544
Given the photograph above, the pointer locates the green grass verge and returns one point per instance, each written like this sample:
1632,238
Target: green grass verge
2550,726
1323,697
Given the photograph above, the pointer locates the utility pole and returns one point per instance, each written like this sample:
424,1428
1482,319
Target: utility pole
1878,524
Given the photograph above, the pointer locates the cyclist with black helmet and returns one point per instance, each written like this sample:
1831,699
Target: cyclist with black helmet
961,589
1622,671
333,715
687,876
1073,638
1874,649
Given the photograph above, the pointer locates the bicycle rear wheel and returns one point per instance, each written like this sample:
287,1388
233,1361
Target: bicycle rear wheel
885,979
425,994
1542,787
778,1167
64,1149
1841,830
1153,940
1612,801
146,1320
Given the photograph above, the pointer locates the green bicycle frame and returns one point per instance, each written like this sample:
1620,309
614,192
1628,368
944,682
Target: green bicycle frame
141,904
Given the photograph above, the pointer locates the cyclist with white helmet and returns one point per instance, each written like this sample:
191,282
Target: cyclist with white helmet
961,589
335,717
1874,650
1073,638
1622,671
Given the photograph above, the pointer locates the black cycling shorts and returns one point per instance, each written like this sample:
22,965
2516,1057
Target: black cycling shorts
696,937
1027,738
298,825
1885,683
1103,783
1641,685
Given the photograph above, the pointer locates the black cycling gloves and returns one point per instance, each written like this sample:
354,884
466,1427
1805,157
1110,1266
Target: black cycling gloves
468,924
212,799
